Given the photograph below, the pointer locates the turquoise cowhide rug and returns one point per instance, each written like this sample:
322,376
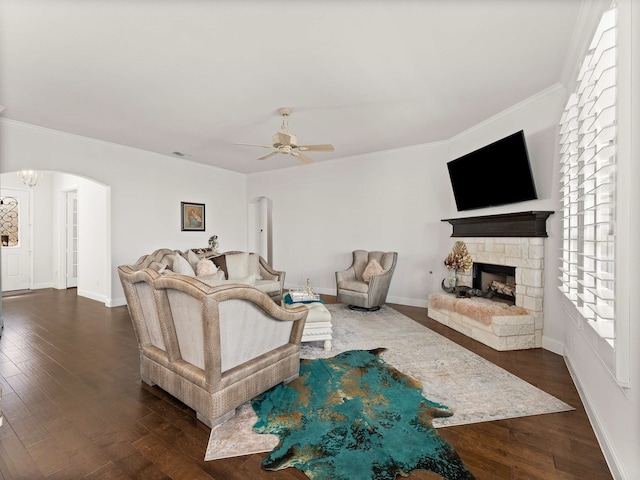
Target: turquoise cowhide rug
354,416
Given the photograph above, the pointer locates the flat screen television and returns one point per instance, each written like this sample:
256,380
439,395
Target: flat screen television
496,174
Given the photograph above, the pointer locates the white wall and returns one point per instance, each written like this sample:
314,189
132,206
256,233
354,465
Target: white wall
145,193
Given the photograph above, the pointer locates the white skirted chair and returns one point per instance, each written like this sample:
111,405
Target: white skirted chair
364,285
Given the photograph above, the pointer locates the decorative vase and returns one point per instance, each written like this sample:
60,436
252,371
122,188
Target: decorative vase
452,280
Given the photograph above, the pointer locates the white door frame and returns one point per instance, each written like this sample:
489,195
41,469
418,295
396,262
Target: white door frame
260,228
70,280
62,251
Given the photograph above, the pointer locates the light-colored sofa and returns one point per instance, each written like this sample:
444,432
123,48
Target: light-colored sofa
265,277
213,347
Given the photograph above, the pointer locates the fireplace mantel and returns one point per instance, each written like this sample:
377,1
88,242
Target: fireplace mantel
521,224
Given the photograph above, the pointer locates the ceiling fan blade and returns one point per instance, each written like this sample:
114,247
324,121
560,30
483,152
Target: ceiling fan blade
301,157
268,155
317,148
254,145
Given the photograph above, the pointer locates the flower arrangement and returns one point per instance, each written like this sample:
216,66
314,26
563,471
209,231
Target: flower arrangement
459,258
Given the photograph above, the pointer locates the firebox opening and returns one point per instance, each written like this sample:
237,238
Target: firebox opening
497,281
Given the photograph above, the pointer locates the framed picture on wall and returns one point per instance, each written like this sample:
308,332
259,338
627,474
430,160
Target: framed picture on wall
192,216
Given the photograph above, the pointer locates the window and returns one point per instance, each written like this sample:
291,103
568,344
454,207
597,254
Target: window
593,162
9,221
588,177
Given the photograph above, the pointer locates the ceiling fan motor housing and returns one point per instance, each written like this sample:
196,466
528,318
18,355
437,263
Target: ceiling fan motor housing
281,139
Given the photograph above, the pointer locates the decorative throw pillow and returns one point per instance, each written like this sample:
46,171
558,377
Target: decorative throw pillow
221,262
254,265
193,259
237,265
181,266
372,268
206,267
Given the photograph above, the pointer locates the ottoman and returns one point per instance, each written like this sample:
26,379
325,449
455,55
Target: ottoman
318,325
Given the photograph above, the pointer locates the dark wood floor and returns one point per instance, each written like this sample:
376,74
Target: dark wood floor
75,407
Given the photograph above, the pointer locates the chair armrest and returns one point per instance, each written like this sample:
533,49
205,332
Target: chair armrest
379,287
267,271
346,275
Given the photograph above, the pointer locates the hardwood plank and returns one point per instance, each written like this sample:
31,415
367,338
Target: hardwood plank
15,461
168,460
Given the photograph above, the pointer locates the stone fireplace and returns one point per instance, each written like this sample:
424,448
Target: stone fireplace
515,253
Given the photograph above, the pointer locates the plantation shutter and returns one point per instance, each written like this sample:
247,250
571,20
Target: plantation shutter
588,178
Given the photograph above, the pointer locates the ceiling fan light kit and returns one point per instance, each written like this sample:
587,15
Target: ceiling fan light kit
287,143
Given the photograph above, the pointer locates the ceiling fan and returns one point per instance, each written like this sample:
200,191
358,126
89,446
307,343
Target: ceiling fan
287,143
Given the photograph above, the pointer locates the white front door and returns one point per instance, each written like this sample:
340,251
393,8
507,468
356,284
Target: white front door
15,228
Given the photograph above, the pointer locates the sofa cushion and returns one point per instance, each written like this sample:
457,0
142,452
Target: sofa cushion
248,280
355,286
237,265
372,268
268,286
181,266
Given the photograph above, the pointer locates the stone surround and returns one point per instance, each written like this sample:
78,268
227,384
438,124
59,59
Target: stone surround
526,254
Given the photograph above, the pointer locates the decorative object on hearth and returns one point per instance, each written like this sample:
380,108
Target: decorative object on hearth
287,143
457,260
463,291
354,416
213,243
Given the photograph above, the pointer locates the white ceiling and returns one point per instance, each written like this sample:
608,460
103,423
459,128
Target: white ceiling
197,76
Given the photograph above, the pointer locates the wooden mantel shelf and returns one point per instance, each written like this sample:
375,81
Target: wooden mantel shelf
521,224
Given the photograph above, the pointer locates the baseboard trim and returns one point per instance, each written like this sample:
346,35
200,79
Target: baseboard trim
116,302
553,345
410,302
91,295
603,439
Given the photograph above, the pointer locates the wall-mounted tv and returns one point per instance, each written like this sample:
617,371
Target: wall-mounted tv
496,174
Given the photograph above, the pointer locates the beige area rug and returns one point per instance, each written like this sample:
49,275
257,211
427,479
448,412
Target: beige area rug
474,388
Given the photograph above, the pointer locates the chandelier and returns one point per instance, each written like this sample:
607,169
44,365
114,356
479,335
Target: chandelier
29,177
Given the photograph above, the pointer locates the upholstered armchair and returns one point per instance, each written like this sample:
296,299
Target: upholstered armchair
364,285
